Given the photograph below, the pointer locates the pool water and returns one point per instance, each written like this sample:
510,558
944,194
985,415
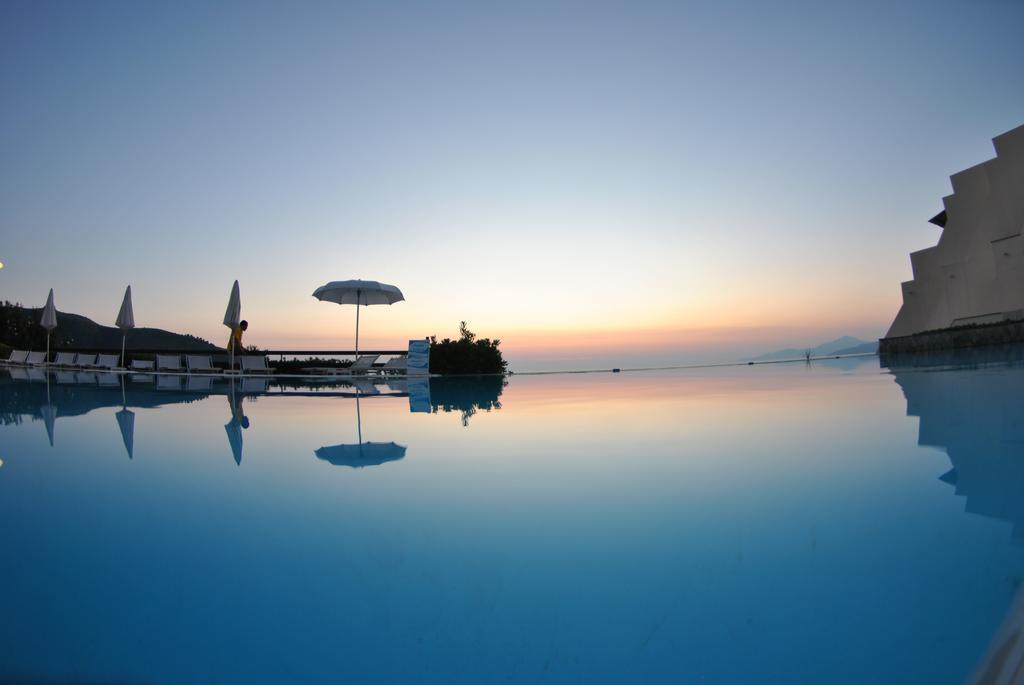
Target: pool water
838,522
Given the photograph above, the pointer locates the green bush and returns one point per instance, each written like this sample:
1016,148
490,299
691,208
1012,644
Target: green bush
468,354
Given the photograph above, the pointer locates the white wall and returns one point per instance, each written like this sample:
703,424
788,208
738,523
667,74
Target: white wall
975,274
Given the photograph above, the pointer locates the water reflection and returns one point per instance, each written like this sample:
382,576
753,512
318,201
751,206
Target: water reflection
36,394
361,453
756,524
970,405
977,418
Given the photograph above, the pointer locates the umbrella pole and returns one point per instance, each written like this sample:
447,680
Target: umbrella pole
123,336
359,419
357,328
47,346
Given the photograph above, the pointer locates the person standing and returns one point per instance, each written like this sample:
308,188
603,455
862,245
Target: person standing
235,341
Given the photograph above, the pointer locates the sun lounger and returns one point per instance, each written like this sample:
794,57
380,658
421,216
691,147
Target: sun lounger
168,382
254,385
106,361
142,365
200,363
18,373
169,362
36,374
395,365
36,358
142,378
65,377
199,384
107,378
254,363
64,359
17,357
86,361
361,366
85,378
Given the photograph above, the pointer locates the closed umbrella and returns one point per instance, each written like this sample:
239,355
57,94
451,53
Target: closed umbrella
358,292
234,427
49,321
126,417
49,412
125,318
232,317
126,422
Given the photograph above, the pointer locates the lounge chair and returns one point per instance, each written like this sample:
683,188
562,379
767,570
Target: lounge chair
257,385
200,363
85,378
255,363
65,377
65,359
108,378
36,374
199,384
164,382
36,358
142,365
360,366
395,365
169,362
86,361
106,361
19,373
142,378
17,357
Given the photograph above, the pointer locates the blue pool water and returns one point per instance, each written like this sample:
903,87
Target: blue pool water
832,523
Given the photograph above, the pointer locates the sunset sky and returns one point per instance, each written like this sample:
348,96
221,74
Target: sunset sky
591,182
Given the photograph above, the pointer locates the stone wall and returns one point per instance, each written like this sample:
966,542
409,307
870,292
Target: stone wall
982,335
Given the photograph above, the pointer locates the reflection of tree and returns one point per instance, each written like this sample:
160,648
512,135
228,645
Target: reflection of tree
466,394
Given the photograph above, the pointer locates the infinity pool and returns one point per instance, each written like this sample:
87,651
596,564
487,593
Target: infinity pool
833,523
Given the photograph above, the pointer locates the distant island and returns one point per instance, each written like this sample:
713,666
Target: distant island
844,345
19,328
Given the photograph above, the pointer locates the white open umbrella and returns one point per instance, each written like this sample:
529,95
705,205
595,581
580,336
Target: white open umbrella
49,321
232,317
125,318
358,293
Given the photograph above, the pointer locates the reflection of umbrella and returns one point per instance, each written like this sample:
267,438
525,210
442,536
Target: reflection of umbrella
125,319
358,293
362,453
48,412
49,321
234,431
232,317
126,417
49,418
126,422
235,425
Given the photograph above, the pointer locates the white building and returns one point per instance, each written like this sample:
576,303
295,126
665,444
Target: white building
976,272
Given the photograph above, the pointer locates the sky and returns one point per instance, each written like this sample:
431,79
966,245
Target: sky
594,183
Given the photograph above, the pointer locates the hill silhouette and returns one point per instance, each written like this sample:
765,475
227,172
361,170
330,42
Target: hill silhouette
844,345
19,328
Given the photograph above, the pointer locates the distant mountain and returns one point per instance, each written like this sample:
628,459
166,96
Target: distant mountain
844,345
865,348
19,328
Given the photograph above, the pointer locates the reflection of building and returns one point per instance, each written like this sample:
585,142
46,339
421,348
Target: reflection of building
975,274
977,417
